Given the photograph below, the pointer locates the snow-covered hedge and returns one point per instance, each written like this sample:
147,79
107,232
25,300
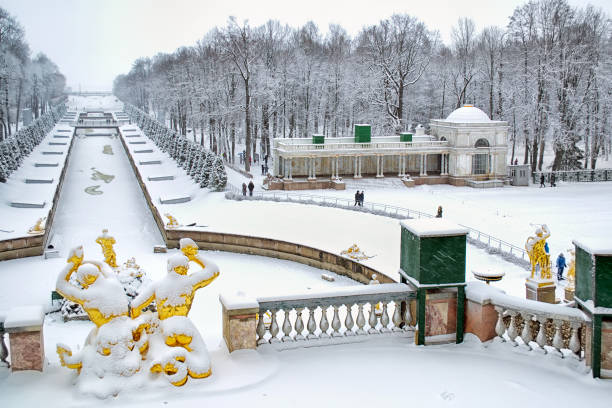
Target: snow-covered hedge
204,167
18,146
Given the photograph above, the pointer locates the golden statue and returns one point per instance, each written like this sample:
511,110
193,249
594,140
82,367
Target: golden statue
183,352
38,228
355,253
571,269
172,222
107,242
536,249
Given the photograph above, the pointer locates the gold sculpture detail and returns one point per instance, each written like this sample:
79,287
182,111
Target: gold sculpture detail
535,246
571,269
355,253
38,227
107,242
172,222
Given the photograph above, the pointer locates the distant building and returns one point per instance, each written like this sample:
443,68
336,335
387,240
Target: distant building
464,148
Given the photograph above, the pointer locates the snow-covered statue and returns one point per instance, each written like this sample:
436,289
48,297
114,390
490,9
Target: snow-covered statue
172,222
107,242
537,250
112,350
179,352
571,269
38,228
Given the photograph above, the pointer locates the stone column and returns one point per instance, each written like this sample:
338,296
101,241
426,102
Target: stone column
399,165
355,172
239,321
25,327
360,160
290,169
381,160
312,175
337,167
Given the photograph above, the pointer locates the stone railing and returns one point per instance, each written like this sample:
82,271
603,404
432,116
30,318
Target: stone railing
534,326
356,147
574,175
323,317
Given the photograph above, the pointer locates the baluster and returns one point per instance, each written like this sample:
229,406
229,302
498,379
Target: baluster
299,324
407,317
574,344
336,323
324,324
373,319
273,327
349,322
397,316
287,327
311,325
384,319
360,320
526,334
557,342
512,330
541,337
500,327
261,329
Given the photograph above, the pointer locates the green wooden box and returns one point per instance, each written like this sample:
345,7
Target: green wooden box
433,251
363,133
405,137
318,139
594,273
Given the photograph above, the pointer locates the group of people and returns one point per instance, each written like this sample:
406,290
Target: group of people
264,166
359,197
250,187
552,180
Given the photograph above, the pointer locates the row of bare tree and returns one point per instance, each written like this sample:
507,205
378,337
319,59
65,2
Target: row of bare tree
548,74
24,82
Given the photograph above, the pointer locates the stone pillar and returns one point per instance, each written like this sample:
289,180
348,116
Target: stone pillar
381,165
312,175
360,160
480,319
25,327
290,169
594,296
542,290
399,165
425,246
425,164
421,172
355,159
239,321
337,167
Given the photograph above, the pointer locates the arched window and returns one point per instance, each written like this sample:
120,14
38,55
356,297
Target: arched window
443,139
482,143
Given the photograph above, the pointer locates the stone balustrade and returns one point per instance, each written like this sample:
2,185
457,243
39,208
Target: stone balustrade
321,316
534,326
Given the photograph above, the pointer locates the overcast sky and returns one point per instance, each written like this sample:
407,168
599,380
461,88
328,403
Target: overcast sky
93,41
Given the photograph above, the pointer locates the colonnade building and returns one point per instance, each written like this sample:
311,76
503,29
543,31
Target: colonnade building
466,148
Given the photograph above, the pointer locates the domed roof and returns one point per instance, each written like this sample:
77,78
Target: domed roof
468,114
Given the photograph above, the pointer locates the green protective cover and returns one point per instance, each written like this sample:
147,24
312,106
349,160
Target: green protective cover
433,260
405,137
318,139
603,281
584,277
363,133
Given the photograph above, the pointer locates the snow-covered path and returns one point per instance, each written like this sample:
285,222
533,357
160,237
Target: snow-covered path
117,203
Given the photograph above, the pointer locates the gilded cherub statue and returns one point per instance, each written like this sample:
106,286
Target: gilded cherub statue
536,249
106,242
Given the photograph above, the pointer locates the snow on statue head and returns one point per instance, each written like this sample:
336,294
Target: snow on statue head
87,274
178,263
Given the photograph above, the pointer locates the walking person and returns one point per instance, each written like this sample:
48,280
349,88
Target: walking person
357,195
251,187
361,198
560,266
244,189
263,169
552,180
542,181
439,214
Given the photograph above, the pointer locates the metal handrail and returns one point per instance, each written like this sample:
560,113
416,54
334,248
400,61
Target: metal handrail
491,242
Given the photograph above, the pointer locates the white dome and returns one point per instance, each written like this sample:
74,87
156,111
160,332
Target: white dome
468,114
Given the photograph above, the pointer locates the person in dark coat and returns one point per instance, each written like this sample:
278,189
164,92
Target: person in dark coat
357,195
560,266
552,180
251,187
244,189
361,198
439,214
542,181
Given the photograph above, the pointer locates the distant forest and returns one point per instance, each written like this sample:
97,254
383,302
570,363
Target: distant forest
548,73
25,82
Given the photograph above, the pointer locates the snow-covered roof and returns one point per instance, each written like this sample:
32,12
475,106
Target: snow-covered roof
595,246
468,114
433,227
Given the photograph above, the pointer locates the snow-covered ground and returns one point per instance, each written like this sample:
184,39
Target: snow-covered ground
386,370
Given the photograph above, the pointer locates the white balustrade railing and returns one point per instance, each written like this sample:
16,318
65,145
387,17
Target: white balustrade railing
535,326
345,312
379,146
